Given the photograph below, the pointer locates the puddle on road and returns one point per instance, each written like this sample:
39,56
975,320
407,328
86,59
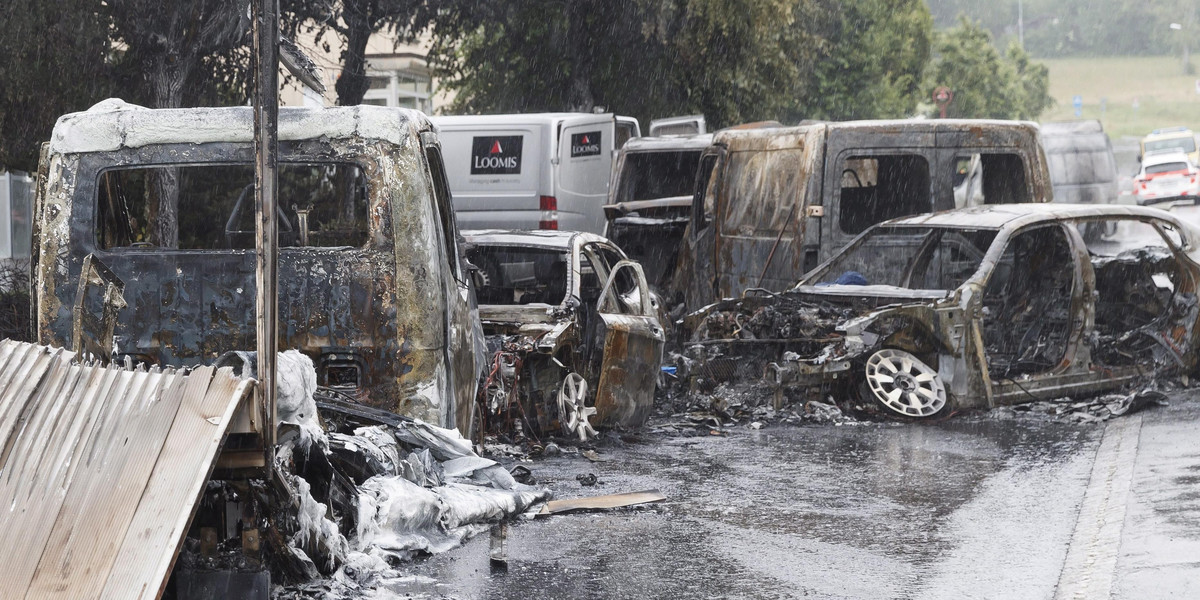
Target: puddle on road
776,512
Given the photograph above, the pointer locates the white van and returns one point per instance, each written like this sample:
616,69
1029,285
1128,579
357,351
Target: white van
532,171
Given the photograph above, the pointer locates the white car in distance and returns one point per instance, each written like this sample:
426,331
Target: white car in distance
1166,176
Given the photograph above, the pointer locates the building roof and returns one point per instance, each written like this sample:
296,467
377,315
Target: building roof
114,124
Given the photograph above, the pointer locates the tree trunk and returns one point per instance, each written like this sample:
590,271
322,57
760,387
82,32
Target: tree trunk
167,73
579,43
353,84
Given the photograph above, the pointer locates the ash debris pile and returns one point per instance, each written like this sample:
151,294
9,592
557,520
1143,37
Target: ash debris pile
735,340
356,492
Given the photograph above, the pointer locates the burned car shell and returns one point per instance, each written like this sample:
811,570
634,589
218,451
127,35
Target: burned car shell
771,204
948,327
394,315
650,229
619,353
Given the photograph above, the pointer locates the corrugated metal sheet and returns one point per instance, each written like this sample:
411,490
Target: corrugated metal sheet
100,470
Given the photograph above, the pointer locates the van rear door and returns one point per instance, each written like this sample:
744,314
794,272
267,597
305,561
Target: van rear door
585,153
495,173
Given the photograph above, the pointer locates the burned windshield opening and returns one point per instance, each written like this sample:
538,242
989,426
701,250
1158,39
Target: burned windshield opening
923,258
654,175
510,275
320,204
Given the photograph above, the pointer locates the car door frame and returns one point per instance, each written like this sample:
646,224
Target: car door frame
463,330
633,347
1072,371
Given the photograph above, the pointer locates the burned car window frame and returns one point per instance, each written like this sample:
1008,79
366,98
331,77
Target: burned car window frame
238,206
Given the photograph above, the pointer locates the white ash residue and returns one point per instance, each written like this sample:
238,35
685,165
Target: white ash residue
388,492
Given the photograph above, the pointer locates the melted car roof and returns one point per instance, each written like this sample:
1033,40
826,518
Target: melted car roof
113,124
1000,216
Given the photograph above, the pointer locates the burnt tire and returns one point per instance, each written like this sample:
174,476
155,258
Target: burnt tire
903,385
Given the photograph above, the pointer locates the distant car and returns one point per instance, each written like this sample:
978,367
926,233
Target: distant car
1166,176
1172,138
571,327
970,308
1083,169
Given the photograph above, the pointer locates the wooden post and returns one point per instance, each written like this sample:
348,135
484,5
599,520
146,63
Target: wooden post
266,180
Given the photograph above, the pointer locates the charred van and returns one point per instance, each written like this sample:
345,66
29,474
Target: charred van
771,204
144,248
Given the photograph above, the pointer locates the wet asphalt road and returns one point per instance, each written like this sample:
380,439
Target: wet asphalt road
976,507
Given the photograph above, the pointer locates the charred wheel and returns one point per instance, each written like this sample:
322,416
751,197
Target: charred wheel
904,385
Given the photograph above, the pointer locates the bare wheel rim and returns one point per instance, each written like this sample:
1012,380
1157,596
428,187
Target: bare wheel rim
573,412
905,385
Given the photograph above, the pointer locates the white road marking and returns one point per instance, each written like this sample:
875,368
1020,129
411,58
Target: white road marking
1092,557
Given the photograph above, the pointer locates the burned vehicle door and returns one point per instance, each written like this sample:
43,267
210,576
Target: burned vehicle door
632,348
693,279
759,214
1031,305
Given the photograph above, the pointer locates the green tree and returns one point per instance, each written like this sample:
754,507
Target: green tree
56,60
732,60
985,83
354,21
872,63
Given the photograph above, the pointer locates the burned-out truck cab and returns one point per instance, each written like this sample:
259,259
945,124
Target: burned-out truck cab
144,241
771,204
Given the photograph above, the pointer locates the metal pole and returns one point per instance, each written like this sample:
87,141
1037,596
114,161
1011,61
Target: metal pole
266,180
1020,24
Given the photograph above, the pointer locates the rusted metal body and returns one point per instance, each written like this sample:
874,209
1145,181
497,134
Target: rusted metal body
391,320
650,200
771,204
102,470
603,327
1036,312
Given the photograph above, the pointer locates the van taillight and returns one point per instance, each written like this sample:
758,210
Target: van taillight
549,206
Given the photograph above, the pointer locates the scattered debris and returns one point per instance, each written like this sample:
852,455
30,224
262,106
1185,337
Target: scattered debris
586,479
555,507
1098,409
368,489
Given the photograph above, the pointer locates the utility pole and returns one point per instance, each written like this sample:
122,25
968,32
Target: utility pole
1021,24
266,183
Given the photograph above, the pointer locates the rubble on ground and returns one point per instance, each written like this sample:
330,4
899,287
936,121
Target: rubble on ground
1092,410
367,490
